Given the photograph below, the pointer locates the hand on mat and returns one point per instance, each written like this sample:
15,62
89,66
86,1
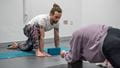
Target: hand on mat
42,54
63,52
46,54
14,45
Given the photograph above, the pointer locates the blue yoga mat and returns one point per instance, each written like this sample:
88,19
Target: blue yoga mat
14,54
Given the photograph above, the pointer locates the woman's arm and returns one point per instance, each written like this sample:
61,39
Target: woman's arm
42,34
56,37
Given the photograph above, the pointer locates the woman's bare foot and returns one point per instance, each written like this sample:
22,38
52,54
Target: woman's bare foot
103,65
14,45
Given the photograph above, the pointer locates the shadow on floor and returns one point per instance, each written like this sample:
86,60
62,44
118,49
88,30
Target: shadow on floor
59,66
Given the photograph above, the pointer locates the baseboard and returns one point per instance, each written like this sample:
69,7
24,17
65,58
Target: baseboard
51,40
48,40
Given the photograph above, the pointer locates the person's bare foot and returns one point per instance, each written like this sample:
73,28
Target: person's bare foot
14,45
103,65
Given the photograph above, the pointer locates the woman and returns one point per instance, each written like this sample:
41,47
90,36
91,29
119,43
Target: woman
35,31
95,43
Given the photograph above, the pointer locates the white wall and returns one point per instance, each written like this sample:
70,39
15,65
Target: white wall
101,11
11,20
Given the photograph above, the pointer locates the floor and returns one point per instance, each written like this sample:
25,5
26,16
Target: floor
37,62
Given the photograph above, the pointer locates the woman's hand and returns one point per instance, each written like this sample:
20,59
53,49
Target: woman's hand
63,52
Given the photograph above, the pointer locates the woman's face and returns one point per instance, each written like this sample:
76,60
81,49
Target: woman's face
55,17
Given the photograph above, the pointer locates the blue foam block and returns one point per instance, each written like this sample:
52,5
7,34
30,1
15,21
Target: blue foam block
54,51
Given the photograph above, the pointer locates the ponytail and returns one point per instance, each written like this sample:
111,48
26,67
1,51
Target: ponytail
56,7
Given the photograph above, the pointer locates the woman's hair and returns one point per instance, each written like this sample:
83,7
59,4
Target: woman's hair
55,7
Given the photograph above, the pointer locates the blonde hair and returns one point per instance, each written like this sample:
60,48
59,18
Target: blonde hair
57,8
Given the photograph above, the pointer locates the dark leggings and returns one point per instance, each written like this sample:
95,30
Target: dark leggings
111,47
77,64
33,34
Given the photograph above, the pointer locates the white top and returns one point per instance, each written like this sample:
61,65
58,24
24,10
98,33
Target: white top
43,20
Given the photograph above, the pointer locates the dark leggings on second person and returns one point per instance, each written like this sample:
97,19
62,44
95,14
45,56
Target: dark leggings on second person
111,47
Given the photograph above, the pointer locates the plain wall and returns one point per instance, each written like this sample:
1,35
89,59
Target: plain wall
11,20
101,12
